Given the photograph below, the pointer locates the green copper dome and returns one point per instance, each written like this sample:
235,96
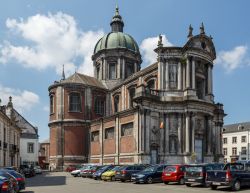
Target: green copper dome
116,40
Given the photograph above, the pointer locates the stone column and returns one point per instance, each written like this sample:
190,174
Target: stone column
209,135
118,70
166,76
187,134
179,77
179,133
188,73
148,130
135,67
193,134
160,74
209,80
123,68
193,73
104,69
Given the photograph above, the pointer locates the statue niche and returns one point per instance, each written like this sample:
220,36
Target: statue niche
155,136
173,144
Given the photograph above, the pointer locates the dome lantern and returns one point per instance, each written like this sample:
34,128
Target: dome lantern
117,23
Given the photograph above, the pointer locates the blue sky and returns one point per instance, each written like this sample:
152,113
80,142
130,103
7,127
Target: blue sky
37,37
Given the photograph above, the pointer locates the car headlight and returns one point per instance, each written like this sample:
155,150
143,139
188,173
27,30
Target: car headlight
140,176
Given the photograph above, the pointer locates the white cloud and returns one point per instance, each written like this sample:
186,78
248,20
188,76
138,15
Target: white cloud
233,59
23,100
46,108
147,48
52,40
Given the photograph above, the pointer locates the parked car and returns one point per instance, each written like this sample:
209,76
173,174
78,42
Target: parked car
19,178
196,173
149,175
27,170
110,174
5,185
71,168
174,173
126,172
97,175
233,175
90,172
76,173
85,170
13,182
38,170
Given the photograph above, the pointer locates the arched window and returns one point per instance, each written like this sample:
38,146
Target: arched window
131,96
116,103
51,104
75,102
99,106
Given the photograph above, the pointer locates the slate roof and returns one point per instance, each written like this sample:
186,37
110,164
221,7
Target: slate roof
84,79
237,127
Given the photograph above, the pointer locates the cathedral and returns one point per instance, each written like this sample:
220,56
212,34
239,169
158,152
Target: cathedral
164,113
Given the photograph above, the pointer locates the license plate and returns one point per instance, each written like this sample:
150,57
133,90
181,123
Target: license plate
216,183
168,174
191,180
133,178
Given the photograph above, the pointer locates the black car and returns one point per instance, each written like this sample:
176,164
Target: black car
19,178
196,173
149,175
97,175
126,172
27,171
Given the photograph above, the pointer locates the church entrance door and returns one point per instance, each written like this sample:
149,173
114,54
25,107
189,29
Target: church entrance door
198,150
154,156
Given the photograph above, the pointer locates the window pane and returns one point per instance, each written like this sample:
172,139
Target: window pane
75,102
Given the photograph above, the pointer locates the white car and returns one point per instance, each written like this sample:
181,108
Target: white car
76,173
38,169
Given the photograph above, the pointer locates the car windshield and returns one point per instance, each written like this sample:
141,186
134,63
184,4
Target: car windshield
194,169
150,169
170,169
105,167
116,168
234,167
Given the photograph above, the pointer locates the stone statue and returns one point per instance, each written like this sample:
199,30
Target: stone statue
155,135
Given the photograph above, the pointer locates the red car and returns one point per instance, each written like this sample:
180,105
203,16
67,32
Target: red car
174,173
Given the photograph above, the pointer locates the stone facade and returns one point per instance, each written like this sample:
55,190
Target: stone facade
162,113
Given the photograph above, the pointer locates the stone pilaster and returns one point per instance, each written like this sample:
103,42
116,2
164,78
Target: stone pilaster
188,73
187,134
179,76
193,73
179,132
167,76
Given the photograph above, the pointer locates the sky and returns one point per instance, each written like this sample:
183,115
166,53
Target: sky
38,37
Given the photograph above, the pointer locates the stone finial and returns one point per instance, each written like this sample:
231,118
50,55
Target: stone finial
202,29
63,74
10,104
160,41
117,10
190,31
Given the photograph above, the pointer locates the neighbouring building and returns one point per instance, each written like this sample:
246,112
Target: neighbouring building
124,114
9,136
235,139
43,159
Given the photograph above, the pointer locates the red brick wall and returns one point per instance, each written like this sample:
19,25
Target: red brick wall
53,141
75,140
95,148
94,161
127,160
109,160
109,146
127,144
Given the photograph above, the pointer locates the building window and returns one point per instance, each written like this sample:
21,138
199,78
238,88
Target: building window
30,147
131,96
151,84
243,139
51,104
75,102
234,139
99,106
127,129
224,151
95,136
110,133
172,75
129,69
234,151
243,150
112,71
116,103
224,140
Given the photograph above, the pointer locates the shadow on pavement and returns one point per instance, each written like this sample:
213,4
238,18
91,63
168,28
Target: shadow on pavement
28,192
45,180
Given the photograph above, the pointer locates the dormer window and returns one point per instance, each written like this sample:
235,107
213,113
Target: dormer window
75,102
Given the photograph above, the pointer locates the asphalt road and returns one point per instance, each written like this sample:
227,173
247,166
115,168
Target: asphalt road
60,182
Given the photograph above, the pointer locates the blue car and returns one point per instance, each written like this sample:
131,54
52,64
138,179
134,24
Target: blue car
149,175
5,185
19,178
97,175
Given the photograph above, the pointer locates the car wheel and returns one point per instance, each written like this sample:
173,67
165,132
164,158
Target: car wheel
236,185
213,187
188,185
166,182
122,180
150,180
181,181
